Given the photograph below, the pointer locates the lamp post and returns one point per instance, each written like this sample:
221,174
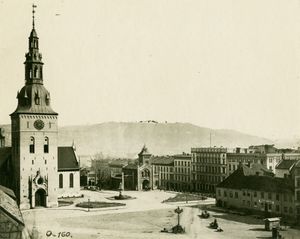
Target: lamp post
178,211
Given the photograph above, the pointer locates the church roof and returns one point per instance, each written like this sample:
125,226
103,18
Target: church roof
10,207
33,33
27,100
67,160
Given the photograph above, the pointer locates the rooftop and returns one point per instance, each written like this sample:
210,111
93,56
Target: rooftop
286,164
246,178
162,160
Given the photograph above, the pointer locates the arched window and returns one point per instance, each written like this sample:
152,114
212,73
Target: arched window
46,145
35,73
61,181
31,145
71,180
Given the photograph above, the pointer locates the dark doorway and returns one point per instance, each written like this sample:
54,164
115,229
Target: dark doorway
40,198
146,185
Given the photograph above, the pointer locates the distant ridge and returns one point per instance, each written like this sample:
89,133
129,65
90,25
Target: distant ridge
125,139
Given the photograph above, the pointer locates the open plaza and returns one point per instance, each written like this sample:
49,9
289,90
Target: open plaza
143,216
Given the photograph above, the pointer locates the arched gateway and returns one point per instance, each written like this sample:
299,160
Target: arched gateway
40,198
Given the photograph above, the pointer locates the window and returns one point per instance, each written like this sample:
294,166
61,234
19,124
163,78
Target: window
46,145
61,179
277,208
255,194
35,72
269,195
31,146
225,194
262,195
277,196
71,180
236,194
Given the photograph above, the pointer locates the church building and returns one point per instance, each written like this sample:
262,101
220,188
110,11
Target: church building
34,166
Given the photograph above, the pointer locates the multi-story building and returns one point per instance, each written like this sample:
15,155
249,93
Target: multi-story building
182,172
237,158
163,172
291,156
251,189
209,167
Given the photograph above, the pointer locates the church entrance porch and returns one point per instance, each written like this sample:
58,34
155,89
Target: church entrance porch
40,198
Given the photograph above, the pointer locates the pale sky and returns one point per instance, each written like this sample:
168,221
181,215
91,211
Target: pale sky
215,63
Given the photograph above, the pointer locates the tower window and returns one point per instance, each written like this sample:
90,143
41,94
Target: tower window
35,73
71,180
61,181
46,145
32,145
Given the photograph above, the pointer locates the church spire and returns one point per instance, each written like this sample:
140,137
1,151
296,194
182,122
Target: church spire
33,98
33,63
33,12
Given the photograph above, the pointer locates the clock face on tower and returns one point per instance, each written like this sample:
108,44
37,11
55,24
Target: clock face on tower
39,124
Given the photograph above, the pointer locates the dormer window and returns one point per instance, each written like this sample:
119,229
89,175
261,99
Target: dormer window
37,99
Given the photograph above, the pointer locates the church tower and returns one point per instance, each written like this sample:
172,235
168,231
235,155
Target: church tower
34,136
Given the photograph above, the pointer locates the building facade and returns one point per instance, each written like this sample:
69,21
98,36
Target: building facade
209,167
163,168
251,189
34,136
182,172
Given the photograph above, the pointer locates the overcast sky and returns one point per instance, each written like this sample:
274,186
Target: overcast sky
215,63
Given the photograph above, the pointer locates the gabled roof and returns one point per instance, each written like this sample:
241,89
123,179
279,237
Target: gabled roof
245,178
67,160
10,207
286,164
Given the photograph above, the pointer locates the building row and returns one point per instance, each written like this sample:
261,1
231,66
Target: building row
200,171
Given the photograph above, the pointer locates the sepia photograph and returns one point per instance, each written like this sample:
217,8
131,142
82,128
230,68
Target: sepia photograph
161,119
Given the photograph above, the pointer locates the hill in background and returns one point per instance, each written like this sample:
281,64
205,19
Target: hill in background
126,139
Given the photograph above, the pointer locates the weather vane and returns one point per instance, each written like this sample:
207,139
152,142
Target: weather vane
33,11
